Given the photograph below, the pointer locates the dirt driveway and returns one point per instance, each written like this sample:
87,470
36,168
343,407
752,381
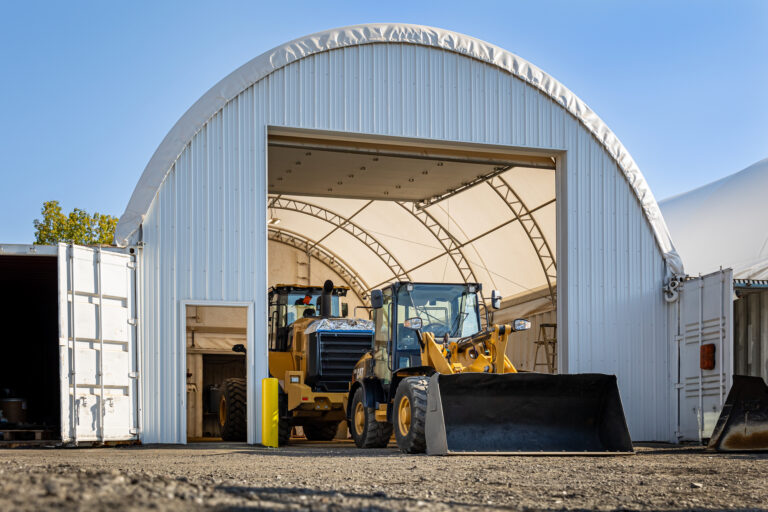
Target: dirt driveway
337,476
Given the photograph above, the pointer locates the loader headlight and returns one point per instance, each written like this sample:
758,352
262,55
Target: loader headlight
294,379
521,325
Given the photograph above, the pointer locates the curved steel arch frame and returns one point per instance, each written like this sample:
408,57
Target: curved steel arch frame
532,229
346,224
451,246
321,253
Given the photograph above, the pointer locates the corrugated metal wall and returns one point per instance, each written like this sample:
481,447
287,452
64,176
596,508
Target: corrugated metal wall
205,234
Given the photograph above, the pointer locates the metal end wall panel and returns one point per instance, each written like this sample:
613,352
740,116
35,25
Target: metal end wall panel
206,231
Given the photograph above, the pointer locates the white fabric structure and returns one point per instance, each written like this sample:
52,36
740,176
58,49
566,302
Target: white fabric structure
723,224
251,72
402,152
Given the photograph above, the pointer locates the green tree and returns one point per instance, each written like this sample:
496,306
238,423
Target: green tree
77,227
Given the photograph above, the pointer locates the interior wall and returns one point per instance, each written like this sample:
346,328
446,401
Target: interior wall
29,365
750,333
535,306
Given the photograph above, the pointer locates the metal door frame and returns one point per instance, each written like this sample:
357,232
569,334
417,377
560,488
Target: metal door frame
253,385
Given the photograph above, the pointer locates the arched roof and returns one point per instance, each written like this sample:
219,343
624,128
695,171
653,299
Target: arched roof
724,224
453,244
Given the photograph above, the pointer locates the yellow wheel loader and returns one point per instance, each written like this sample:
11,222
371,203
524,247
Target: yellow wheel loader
312,352
444,385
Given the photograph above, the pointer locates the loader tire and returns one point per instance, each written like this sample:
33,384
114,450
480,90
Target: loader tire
283,419
365,430
232,410
410,412
321,431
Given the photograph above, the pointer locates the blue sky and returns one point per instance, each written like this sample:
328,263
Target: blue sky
89,89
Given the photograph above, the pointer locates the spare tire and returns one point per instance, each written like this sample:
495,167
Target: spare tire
233,410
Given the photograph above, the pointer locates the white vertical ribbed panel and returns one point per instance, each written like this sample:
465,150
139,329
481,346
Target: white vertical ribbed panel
205,234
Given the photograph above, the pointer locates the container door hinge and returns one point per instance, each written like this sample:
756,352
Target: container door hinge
133,321
679,386
134,431
131,265
133,375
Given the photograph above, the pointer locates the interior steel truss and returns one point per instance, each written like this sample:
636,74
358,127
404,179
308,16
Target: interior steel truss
345,224
532,229
323,254
451,246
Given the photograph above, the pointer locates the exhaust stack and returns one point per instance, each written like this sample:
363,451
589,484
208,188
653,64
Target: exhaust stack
325,299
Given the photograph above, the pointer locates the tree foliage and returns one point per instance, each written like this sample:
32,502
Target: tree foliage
77,227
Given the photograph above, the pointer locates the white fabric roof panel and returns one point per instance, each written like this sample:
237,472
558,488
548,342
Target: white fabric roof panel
397,230
723,224
212,102
473,212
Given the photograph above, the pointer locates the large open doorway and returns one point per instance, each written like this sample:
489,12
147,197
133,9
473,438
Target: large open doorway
381,209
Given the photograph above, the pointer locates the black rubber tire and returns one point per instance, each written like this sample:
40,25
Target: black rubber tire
321,431
415,389
375,434
234,394
283,420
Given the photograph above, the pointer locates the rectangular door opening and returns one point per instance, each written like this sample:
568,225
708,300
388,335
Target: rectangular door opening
29,365
216,338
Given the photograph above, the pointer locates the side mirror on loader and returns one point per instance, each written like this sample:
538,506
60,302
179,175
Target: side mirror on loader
414,323
521,324
495,299
377,299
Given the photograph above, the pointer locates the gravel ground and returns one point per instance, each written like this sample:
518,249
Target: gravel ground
338,477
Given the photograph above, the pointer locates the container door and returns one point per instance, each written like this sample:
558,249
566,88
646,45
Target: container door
703,353
97,345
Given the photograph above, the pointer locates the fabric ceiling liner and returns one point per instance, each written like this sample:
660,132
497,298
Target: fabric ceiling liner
723,224
212,101
500,232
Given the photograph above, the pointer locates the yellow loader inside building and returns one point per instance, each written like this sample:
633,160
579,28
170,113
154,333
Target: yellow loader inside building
444,385
312,351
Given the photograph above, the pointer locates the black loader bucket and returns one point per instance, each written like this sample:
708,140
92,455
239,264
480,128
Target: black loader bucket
525,413
743,422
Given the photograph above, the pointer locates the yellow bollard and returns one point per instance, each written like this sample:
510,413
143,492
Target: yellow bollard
269,412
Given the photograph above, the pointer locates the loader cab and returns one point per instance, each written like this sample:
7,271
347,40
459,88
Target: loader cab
445,309
288,303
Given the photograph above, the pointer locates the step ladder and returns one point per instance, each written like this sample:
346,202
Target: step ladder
547,339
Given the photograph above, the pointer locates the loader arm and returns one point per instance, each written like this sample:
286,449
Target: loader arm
485,352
